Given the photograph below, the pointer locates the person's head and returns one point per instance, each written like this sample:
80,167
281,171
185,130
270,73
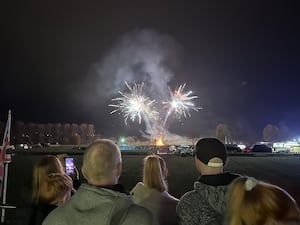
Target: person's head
102,163
210,156
252,202
50,183
155,173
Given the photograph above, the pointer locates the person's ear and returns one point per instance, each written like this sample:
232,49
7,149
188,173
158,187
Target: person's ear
48,191
50,188
226,162
119,169
165,172
197,162
83,173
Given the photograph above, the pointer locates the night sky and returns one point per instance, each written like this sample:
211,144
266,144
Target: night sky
63,61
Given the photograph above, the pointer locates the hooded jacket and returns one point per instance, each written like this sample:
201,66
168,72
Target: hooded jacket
161,204
206,204
101,206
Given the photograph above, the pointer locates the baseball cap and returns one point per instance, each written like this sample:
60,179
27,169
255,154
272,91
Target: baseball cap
208,148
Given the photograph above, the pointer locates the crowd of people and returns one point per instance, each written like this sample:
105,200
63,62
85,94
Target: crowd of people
218,198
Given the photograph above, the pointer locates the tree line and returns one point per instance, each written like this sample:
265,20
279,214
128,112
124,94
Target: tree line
270,133
66,133
76,134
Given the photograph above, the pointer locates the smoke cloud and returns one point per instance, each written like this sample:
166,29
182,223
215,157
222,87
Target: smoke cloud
139,56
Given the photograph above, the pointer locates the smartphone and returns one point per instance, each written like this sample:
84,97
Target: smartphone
70,166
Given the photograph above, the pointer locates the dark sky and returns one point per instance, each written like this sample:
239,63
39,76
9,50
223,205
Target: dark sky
63,61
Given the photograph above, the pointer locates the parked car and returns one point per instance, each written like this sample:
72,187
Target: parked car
172,148
247,149
185,150
162,150
261,148
232,148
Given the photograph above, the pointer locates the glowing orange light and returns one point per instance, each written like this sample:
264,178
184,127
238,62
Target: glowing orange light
159,141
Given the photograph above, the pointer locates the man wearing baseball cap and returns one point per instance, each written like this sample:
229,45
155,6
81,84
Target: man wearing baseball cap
206,203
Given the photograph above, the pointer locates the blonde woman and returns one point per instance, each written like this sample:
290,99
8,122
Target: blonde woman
153,194
253,202
51,187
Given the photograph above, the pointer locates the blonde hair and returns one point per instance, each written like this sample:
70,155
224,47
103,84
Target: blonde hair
50,183
101,159
253,202
155,172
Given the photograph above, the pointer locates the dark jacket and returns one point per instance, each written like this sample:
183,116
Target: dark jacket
206,204
39,212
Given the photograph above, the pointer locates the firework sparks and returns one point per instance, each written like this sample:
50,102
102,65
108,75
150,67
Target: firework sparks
181,102
134,105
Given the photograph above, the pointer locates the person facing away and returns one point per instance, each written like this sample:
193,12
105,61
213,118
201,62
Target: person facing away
51,187
253,202
153,194
102,200
206,203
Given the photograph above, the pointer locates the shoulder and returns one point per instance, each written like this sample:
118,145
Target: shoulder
187,201
39,212
54,217
139,210
43,208
138,187
138,215
142,193
188,196
166,196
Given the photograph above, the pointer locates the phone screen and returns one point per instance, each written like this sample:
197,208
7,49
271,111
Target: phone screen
70,167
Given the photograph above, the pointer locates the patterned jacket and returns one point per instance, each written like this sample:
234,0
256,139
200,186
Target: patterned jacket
206,204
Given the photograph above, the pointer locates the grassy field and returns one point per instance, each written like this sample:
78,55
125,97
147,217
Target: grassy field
282,170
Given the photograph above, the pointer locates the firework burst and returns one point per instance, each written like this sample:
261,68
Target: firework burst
133,104
181,102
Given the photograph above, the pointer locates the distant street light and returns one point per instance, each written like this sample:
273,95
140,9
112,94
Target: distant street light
122,140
